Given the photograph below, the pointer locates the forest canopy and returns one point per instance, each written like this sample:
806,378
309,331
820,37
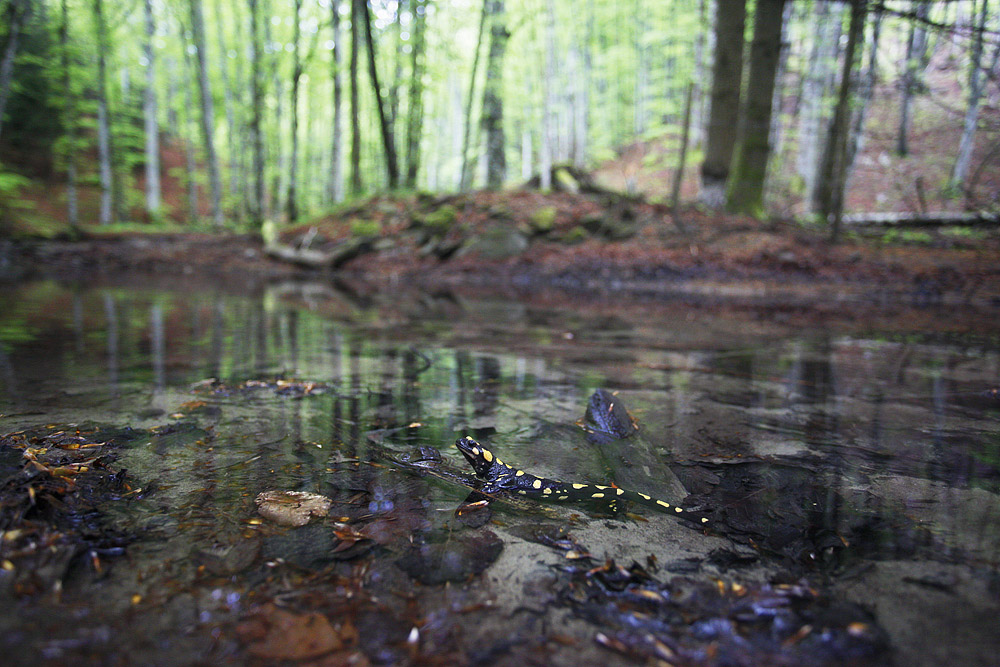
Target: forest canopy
230,113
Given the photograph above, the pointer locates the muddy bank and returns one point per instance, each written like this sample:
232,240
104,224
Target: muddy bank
525,241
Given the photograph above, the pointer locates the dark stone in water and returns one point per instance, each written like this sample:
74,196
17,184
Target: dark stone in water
455,558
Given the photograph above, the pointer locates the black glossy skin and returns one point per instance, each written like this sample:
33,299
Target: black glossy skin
501,478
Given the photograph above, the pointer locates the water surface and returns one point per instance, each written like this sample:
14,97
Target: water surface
865,461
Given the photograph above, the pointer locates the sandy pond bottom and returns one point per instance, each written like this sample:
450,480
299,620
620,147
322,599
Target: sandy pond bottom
849,468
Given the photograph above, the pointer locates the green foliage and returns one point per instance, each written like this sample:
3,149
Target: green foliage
11,184
32,118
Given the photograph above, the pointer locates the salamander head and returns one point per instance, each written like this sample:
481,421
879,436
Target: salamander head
480,458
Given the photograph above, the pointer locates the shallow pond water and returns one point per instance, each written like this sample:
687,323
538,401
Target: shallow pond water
859,464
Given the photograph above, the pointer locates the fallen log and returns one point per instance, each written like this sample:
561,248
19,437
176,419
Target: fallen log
932,219
320,259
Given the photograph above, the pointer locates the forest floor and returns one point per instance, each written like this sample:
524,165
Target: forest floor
556,245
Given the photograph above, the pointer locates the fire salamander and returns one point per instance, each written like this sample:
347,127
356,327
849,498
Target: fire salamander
501,478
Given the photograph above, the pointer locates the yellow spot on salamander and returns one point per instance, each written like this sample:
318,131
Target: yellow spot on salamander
537,484
579,486
704,520
602,487
565,497
662,504
518,473
546,491
522,491
597,495
678,509
645,496
475,450
499,462
488,455
621,491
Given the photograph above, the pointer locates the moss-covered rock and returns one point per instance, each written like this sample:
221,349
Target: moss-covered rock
365,228
576,235
438,221
496,243
543,220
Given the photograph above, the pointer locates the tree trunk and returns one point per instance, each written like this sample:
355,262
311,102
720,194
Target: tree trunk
965,144
103,122
548,95
276,157
292,206
392,166
679,175
699,74
496,158
415,117
337,156
818,81
256,110
727,73
207,112
355,117
916,48
69,122
188,138
231,129
582,124
466,178
17,12
641,72
833,173
745,192
867,91
151,124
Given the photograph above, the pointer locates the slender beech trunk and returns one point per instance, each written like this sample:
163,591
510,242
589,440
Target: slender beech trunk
388,143
227,90
833,173
415,116
291,206
392,94
583,90
69,121
103,121
151,124
466,179
548,96
16,14
856,141
819,80
355,112
745,192
916,47
965,144
336,187
699,74
727,73
496,159
277,156
675,201
207,112
256,111
641,71
188,138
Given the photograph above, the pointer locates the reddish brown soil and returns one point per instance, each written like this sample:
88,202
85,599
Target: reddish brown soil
726,259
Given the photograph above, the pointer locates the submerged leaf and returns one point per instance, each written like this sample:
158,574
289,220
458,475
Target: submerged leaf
292,508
